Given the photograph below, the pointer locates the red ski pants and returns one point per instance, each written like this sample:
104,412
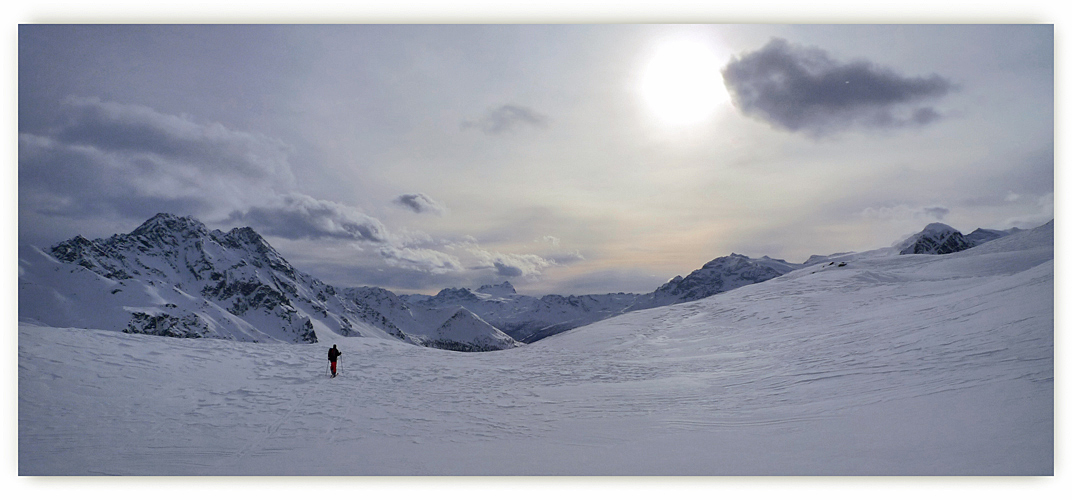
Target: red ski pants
333,367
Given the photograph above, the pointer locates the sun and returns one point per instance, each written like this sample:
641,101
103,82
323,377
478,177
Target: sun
682,83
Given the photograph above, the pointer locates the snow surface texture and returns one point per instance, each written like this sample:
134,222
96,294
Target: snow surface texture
888,364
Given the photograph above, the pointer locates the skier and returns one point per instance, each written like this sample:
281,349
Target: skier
333,356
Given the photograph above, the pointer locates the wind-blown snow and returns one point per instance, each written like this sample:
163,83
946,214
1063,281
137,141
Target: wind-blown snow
915,364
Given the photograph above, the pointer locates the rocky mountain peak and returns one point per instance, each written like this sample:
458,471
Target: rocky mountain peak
935,239
169,224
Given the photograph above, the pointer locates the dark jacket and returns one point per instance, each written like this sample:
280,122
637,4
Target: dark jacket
333,354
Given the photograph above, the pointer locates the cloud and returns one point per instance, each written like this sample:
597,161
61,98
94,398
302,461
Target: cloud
566,258
420,203
550,240
135,130
938,213
421,259
906,213
106,158
804,89
506,118
506,265
297,216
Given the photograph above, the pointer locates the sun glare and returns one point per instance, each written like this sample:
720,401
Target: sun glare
682,83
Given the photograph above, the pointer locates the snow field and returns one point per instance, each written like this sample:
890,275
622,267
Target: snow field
907,365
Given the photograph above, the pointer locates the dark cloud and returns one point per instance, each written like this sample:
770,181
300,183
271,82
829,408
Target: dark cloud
112,159
506,118
507,270
804,89
420,203
297,216
132,161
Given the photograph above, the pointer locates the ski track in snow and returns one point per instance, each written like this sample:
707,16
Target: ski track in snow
907,365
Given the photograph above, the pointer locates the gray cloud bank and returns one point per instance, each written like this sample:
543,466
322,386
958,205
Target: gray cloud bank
803,89
106,158
506,118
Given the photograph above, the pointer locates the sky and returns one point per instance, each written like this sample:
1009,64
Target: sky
569,159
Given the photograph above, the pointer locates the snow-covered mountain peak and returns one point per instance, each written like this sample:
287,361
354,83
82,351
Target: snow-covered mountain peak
719,275
936,238
731,259
465,331
169,224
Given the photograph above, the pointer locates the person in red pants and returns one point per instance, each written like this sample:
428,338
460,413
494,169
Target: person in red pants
333,356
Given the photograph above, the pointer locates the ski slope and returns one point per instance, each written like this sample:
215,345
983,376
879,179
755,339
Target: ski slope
887,365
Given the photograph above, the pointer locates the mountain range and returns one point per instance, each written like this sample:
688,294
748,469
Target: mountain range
172,276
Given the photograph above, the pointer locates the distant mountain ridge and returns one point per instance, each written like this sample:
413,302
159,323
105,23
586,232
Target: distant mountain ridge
172,276
529,319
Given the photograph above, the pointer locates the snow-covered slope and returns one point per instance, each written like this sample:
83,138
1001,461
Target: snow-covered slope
172,276
719,275
887,365
980,235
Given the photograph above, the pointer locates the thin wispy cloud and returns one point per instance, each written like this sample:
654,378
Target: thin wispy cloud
804,89
421,259
506,118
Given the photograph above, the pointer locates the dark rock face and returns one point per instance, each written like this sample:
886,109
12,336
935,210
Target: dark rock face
936,239
166,325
